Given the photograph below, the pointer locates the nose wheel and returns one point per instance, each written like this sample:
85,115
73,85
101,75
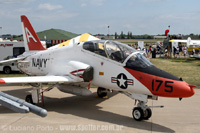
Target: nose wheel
138,113
141,112
147,114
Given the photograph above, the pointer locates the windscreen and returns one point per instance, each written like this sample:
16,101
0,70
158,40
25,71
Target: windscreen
138,61
118,51
111,49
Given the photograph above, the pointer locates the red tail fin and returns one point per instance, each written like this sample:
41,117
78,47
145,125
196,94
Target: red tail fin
31,40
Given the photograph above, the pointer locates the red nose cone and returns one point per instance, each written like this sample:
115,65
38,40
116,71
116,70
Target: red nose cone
182,89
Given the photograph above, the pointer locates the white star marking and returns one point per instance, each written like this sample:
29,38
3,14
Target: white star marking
121,81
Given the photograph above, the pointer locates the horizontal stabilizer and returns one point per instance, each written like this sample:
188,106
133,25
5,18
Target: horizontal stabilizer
20,106
11,60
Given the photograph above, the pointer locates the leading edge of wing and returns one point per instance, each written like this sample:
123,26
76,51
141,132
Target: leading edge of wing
36,79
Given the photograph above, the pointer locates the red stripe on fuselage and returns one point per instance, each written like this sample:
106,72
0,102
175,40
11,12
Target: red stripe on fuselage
75,73
160,86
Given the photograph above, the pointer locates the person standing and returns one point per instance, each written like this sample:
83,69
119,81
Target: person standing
174,51
185,51
154,52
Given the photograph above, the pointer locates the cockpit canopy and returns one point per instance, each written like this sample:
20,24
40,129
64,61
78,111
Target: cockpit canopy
117,51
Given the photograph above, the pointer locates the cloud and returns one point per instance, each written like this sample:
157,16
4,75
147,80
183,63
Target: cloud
127,26
97,2
152,0
47,6
83,4
178,16
23,9
15,1
55,16
92,2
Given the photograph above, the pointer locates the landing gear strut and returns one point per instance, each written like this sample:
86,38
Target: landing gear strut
37,94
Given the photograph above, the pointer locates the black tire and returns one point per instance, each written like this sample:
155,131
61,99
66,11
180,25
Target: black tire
7,70
101,93
29,99
147,114
138,114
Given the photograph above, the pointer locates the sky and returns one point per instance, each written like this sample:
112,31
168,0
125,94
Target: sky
94,16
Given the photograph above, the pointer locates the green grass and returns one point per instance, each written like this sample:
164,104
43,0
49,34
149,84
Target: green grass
12,75
186,68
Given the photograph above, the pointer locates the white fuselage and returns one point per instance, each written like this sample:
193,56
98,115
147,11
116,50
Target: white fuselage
61,61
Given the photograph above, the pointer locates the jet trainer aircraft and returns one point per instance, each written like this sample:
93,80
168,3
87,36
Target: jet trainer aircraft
74,65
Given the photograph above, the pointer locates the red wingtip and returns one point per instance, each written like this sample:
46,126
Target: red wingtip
2,81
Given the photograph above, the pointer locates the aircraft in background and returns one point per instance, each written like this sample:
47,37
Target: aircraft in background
74,65
189,41
193,46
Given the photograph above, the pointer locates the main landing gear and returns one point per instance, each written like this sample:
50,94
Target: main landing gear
101,92
37,94
29,99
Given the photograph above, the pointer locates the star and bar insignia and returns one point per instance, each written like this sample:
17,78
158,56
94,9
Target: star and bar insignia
122,81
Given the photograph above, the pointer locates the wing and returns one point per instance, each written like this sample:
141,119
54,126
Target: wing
21,106
178,41
195,41
36,79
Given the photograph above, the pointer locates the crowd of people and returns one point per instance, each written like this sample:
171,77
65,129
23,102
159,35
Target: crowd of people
152,50
179,51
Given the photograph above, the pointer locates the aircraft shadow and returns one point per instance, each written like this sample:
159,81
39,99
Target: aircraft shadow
87,107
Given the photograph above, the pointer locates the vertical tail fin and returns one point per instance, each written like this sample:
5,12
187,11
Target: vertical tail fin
31,40
188,42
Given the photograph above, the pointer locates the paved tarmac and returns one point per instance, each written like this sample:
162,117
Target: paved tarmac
67,112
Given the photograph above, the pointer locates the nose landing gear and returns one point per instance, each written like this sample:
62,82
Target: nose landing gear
141,112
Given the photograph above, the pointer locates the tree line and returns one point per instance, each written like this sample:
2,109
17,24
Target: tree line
129,35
